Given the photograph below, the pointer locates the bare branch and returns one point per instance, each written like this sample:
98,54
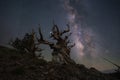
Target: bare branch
68,42
66,37
71,46
41,36
65,31
55,28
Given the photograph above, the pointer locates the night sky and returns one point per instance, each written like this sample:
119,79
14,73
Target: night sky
95,26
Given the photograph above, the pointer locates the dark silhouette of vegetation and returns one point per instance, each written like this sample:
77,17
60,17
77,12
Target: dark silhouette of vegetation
25,67
17,43
61,48
27,44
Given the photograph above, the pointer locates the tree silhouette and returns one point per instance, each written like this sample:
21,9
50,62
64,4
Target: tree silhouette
61,48
27,44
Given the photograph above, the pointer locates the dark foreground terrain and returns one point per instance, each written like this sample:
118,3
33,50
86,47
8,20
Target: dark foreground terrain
17,66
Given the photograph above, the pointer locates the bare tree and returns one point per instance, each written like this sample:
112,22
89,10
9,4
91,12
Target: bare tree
63,43
27,44
61,49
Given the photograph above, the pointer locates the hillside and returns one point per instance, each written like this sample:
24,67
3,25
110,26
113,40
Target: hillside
23,66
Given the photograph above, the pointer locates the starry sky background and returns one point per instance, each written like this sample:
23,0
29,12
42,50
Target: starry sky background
97,21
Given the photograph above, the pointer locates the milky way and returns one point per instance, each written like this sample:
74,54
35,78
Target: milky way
88,49
94,24
82,37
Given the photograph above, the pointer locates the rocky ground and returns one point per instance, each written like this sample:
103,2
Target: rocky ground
17,66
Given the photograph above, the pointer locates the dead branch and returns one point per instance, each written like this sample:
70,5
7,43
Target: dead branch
65,31
70,46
